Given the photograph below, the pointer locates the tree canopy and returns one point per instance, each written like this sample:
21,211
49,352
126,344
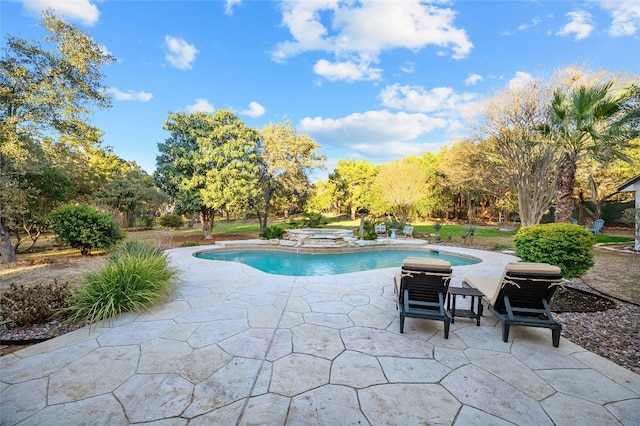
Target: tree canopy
47,94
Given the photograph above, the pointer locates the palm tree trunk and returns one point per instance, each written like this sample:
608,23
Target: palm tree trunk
564,189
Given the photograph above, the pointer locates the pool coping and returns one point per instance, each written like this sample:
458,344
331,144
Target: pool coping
276,245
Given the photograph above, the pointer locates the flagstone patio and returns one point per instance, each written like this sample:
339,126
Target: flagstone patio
238,346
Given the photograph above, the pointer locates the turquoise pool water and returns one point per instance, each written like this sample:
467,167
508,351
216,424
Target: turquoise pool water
303,264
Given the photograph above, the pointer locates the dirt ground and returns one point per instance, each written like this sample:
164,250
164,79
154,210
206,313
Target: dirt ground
616,274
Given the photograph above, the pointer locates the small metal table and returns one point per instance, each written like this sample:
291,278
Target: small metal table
473,312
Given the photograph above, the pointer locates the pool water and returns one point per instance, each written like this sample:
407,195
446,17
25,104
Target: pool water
304,264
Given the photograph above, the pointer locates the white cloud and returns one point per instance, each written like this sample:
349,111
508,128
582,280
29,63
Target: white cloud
83,11
520,79
534,22
408,67
356,33
419,99
473,79
129,95
348,71
625,14
523,27
381,133
201,105
580,25
229,4
181,54
255,110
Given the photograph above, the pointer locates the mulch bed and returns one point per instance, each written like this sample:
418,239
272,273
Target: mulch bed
570,299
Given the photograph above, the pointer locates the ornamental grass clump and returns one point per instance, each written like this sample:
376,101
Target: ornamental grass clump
570,247
135,278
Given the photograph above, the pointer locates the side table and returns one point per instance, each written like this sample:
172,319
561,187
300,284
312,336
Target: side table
473,312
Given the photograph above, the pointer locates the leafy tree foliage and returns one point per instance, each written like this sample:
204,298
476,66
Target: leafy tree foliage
133,193
285,161
209,163
467,177
401,184
43,189
322,197
435,199
588,122
353,183
45,96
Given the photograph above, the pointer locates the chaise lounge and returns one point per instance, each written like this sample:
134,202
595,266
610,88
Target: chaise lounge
521,296
422,287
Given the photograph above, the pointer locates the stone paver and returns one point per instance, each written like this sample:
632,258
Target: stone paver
238,346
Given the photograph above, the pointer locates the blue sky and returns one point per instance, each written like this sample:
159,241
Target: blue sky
373,80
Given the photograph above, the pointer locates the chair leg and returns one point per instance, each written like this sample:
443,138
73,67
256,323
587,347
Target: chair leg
446,328
555,335
505,331
401,323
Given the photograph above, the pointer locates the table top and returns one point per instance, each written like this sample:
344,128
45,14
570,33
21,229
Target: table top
465,291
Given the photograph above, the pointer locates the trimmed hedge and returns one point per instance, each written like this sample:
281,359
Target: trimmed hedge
565,245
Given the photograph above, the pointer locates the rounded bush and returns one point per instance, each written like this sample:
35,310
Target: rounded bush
568,246
85,228
171,221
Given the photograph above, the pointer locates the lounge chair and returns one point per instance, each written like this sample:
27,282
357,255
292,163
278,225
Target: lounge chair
422,287
598,224
407,231
521,296
381,230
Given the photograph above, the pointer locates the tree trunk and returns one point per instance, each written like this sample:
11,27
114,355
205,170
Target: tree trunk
6,248
193,219
207,223
564,189
361,230
470,212
262,218
267,201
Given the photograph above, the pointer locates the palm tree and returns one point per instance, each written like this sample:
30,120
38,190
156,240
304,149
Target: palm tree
596,122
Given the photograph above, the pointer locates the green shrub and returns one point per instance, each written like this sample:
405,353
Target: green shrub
313,220
85,228
189,244
136,277
272,231
567,246
34,304
171,221
147,221
369,231
393,223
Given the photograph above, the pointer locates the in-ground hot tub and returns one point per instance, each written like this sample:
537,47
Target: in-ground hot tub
321,237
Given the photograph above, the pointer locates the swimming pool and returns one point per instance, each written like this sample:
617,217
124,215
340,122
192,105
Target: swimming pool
305,264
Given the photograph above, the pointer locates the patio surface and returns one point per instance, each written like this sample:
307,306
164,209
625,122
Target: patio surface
237,346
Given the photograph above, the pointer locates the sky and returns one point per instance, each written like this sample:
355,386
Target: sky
368,80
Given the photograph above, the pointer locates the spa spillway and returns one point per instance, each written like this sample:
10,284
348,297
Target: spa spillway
321,237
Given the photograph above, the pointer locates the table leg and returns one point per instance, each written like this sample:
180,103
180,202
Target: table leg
453,309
